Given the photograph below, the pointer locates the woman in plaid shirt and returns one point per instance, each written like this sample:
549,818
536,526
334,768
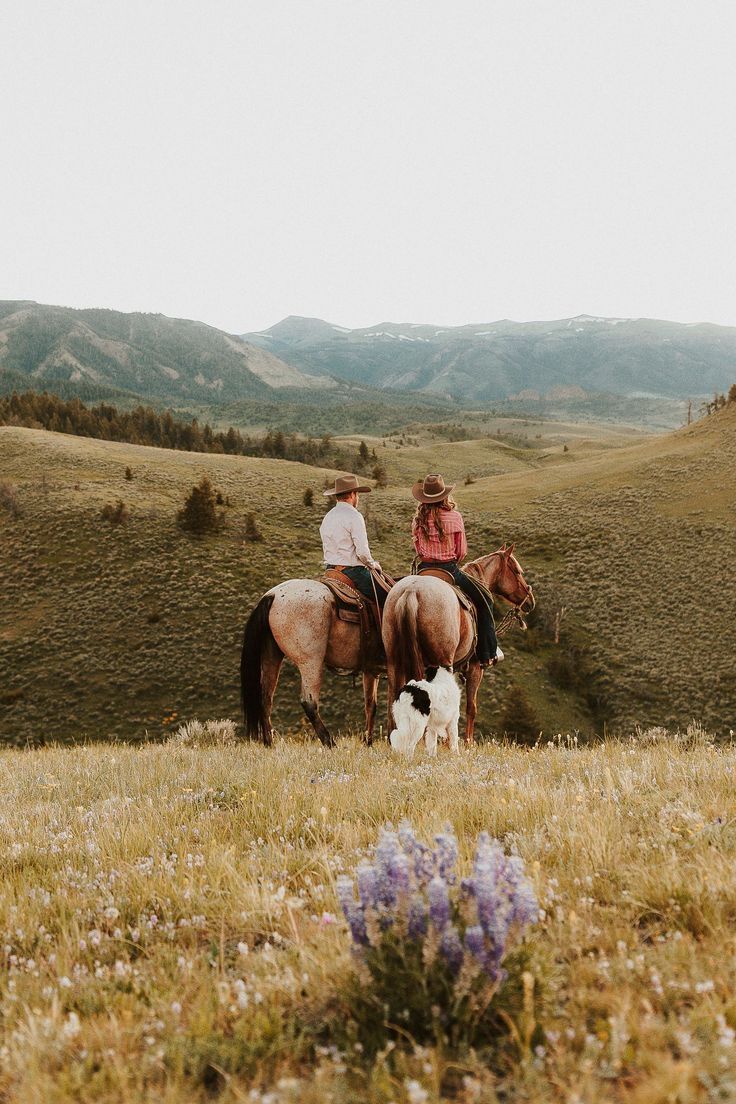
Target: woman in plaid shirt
439,541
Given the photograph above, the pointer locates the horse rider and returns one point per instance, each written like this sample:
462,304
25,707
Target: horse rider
439,538
344,538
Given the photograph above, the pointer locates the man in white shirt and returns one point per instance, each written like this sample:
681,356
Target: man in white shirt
344,538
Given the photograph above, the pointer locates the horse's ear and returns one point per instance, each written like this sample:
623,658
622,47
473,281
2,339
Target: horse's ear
508,552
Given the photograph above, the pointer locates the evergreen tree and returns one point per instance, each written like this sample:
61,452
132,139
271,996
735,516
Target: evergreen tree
380,475
199,514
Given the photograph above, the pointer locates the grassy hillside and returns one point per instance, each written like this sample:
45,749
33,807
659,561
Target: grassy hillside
126,629
147,355
639,542
171,931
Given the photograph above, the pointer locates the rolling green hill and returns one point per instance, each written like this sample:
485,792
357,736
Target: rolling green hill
121,631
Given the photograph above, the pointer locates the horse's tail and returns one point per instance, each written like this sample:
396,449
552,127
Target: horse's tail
257,640
409,659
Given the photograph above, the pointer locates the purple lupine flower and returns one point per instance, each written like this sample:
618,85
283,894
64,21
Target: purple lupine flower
446,855
524,904
417,852
407,838
387,868
451,948
399,872
487,866
417,928
439,903
352,910
367,885
409,879
475,941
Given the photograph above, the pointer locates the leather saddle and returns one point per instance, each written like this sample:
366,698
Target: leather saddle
439,573
354,608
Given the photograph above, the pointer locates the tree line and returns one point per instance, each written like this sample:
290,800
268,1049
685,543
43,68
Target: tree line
145,426
719,401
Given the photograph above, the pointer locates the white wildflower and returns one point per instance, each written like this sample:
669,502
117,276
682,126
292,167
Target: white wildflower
415,1093
72,1027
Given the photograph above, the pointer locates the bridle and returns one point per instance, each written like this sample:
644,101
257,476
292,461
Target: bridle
517,609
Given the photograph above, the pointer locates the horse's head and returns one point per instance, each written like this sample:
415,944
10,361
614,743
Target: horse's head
501,572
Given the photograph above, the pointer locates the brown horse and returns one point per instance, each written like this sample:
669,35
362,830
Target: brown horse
297,619
425,625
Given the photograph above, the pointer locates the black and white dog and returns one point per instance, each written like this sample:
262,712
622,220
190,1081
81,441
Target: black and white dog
427,707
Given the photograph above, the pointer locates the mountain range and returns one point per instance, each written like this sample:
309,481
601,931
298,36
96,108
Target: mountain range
173,360
494,361
183,363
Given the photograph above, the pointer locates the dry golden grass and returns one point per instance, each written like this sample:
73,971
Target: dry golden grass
170,928
134,628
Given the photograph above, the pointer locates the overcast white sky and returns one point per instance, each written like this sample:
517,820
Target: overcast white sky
442,161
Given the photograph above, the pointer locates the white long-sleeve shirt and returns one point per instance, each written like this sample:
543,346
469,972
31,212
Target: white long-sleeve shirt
344,539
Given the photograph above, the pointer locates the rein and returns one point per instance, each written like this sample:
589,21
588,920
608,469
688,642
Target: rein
385,582
511,615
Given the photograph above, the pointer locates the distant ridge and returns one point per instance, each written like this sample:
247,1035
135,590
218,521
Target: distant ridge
497,360
173,360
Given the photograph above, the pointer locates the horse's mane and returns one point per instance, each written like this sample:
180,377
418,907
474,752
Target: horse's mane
478,566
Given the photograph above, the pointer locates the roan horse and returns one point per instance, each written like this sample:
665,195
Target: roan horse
425,625
297,619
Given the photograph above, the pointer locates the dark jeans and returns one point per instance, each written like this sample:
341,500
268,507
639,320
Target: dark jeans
361,579
487,643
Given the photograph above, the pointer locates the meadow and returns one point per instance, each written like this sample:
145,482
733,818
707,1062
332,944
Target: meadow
122,631
171,931
171,928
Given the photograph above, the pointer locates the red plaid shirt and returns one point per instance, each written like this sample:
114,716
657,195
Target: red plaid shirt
453,546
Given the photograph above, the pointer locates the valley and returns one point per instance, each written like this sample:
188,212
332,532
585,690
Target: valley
121,631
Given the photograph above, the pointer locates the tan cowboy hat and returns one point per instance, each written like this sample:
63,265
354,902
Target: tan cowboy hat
433,489
346,483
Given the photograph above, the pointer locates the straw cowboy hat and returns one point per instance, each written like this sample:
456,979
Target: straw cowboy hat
346,483
432,489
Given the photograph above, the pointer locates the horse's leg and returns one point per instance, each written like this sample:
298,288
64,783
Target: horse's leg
270,668
472,682
370,697
311,673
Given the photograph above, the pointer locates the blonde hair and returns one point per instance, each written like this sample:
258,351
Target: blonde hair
427,512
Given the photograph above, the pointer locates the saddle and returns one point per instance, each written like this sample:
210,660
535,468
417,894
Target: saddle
438,573
353,607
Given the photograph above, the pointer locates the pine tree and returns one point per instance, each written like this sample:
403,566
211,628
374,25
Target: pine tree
199,514
380,475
